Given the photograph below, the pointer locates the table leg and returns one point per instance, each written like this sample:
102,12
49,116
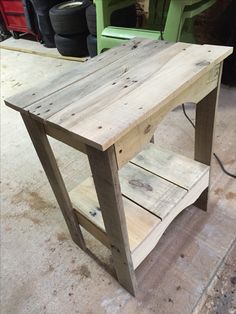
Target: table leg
105,174
204,136
48,161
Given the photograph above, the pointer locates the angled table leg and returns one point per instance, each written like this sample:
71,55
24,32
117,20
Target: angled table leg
48,161
204,135
105,174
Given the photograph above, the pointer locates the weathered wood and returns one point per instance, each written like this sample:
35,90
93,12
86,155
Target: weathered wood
144,187
145,247
204,134
180,170
135,140
55,84
106,121
65,137
102,117
77,100
153,193
48,161
139,221
105,175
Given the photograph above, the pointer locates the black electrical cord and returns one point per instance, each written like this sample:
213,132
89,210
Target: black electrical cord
216,157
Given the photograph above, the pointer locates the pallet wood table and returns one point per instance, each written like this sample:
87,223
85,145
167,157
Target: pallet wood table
109,109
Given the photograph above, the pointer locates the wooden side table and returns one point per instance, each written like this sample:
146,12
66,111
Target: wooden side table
109,109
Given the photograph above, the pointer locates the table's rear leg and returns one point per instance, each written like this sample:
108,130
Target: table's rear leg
204,135
48,161
105,174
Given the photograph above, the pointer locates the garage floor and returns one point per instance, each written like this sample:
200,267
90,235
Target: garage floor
43,271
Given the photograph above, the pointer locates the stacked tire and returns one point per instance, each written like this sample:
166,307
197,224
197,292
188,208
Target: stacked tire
68,20
125,17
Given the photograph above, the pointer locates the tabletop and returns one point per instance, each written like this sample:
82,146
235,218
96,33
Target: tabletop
106,97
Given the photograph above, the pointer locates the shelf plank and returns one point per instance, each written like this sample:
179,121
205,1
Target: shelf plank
139,222
153,193
173,167
142,251
156,186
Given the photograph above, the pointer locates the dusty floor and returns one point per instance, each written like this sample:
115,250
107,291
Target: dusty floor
221,298
42,269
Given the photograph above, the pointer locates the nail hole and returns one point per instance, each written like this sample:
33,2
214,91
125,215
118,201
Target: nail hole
184,49
120,151
140,108
73,114
127,78
33,94
125,86
134,81
38,114
114,83
38,107
47,110
209,50
100,127
50,104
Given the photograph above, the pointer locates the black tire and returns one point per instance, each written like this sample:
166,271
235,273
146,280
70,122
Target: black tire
15,34
4,33
92,45
125,17
69,17
72,46
91,19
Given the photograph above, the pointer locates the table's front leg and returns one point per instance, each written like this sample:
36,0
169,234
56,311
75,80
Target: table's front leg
105,174
48,161
204,134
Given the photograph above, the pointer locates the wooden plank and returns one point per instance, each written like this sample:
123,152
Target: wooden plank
94,229
204,134
76,100
55,84
47,53
105,174
48,161
139,222
137,70
175,168
66,138
149,191
134,141
139,254
99,128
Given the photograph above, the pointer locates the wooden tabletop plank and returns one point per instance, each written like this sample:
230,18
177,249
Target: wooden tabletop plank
72,99
108,120
55,84
145,81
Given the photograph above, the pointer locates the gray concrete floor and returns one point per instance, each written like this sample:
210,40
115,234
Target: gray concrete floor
43,271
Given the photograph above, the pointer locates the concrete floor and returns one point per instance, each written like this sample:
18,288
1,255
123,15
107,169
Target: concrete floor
43,271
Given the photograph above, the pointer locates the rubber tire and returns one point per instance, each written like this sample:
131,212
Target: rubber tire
125,17
4,33
43,23
72,46
91,19
92,45
69,21
15,35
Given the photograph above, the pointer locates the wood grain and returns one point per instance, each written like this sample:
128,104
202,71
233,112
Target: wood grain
105,174
48,161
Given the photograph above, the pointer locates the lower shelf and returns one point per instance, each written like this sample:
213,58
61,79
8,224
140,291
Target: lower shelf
156,186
